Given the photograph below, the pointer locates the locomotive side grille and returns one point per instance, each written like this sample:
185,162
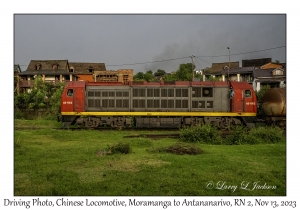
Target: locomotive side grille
97,93
164,103
210,104
104,94
185,104
90,93
111,94
164,92
149,92
156,103
119,93
196,91
171,104
156,93
125,103
178,92
119,103
178,104
97,102
181,104
138,103
170,92
91,103
104,103
111,103
201,104
139,92
185,93
150,103
207,92
194,104
126,94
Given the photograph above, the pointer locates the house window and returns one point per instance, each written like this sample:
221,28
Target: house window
277,72
38,66
55,66
71,69
90,69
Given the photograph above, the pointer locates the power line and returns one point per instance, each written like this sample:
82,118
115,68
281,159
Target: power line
242,53
149,62
199,57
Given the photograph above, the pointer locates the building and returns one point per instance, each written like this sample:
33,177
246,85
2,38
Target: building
86,71
255,72
50,70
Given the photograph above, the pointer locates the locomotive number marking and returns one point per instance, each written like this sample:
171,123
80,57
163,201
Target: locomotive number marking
250,103
67,102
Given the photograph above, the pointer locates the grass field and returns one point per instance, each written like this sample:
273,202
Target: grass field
50,162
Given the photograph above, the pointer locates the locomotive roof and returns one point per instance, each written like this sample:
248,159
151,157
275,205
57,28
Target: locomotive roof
241,85
76,84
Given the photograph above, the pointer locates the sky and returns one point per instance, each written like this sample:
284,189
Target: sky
149,42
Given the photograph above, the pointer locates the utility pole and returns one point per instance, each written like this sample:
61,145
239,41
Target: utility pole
229,62
193,67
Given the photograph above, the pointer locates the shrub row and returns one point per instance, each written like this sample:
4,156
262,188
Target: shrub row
237,135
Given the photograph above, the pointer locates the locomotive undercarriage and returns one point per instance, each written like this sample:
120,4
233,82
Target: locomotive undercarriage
154,122
94,122
276,121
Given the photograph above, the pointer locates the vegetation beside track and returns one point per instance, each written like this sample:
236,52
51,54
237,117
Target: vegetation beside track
73,163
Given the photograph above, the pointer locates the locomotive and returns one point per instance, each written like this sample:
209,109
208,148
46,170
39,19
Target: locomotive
158,104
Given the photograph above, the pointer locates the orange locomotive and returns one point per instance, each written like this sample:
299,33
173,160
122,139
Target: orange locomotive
158,104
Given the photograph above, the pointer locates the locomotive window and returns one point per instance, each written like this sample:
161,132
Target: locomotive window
70,92
247,93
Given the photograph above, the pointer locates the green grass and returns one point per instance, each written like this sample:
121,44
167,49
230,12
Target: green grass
71,163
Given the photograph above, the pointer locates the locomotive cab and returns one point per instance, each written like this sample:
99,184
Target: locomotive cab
72,100
242,98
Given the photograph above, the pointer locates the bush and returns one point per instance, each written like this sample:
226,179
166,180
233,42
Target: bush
201,133
237,135
264,135
181,149
123,148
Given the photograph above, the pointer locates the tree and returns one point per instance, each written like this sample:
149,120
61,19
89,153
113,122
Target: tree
185,72
160,73
138,77
43,95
